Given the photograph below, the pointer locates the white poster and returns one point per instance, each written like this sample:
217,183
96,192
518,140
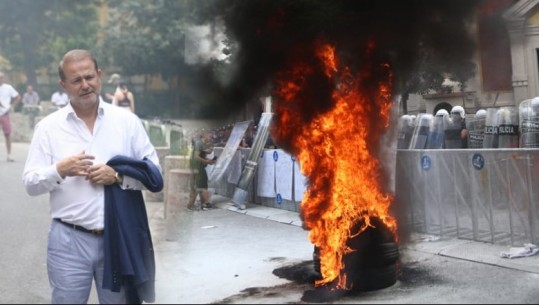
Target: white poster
266,175
300,183
283,174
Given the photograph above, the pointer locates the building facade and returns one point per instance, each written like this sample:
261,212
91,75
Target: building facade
507,58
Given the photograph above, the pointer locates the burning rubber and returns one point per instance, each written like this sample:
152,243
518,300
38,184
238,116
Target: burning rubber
373,264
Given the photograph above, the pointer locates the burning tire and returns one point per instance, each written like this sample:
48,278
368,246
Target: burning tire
316,260
385,254
373,264
377,278
379,271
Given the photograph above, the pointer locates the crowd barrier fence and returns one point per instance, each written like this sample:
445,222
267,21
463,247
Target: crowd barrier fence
487,195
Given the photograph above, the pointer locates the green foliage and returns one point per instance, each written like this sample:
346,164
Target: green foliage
71,28
146,37
35,34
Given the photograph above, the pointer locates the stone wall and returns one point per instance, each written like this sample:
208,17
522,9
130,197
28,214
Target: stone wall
21,129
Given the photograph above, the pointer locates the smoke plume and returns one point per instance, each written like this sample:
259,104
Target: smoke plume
408,34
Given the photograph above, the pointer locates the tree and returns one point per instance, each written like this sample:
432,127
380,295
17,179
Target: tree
148,38
145,37
35,34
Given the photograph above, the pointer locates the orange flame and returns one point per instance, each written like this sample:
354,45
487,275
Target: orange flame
336,151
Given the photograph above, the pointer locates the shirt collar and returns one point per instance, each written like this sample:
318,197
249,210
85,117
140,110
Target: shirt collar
70,112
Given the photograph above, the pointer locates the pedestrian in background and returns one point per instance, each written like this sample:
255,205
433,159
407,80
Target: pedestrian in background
69,158
124,97
30,104
113,80
59,98
198,185
30,97
9,98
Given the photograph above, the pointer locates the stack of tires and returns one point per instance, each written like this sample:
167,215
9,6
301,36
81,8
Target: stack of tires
374,263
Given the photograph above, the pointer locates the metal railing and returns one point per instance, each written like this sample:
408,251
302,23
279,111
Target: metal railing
488,195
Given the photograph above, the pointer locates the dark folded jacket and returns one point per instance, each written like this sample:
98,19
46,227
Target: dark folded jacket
129,255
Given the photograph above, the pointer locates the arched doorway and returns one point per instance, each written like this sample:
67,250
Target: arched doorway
445,106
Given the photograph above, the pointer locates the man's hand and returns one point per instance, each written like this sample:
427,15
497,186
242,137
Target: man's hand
101,174
77,165
464,134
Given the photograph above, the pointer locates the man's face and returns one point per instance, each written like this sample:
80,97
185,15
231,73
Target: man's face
82,83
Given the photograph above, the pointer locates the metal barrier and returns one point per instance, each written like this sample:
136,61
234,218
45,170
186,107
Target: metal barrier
146,125
178,143
157,134
488,195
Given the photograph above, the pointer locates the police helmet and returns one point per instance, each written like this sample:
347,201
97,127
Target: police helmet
442,112
481,114
458,110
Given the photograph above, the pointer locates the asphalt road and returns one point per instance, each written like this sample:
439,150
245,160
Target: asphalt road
24,227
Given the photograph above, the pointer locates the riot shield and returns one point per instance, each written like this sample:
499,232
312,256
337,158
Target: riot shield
421,131
405,131
507,121
490,139
529,123
436,132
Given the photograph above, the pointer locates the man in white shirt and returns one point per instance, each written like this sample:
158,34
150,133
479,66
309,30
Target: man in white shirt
59,98
9,98
67,159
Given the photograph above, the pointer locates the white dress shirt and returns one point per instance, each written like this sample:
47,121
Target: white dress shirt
62,134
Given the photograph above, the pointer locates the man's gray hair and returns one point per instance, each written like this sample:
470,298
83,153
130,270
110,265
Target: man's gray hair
75,55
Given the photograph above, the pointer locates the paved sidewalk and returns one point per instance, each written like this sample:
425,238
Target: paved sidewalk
255,210
207,256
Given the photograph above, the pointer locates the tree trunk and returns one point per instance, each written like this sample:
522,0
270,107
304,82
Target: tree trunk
28,41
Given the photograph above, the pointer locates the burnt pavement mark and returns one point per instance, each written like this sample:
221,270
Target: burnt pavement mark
412,276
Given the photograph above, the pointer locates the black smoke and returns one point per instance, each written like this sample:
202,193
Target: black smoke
409,34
